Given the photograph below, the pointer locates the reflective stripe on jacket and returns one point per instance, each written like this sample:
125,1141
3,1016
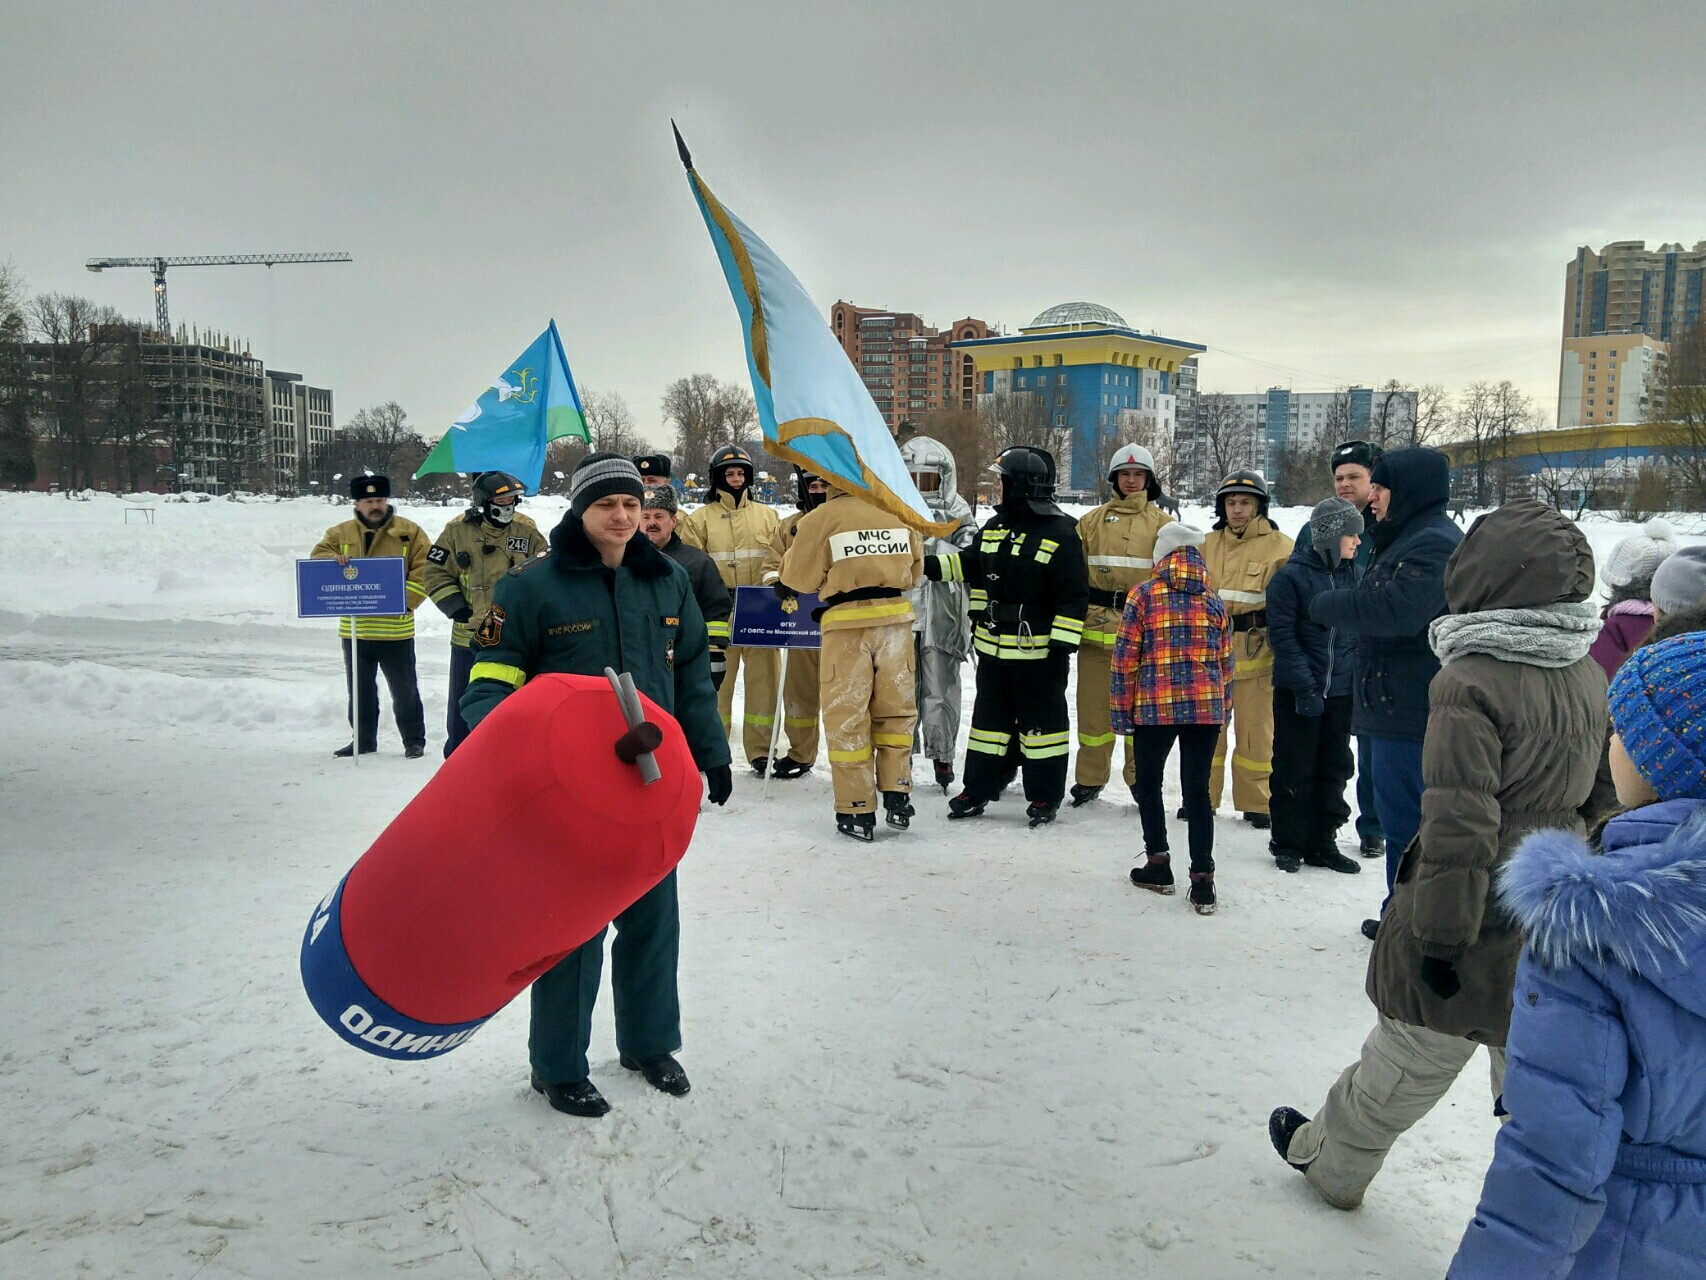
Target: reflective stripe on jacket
1119,549
736,535
396,537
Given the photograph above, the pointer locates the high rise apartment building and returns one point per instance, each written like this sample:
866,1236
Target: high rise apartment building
1611,378
906,364
1280,418
299,426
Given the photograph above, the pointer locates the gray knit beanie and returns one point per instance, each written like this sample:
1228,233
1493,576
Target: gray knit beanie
1633,561
601,474
1331,520
1680,582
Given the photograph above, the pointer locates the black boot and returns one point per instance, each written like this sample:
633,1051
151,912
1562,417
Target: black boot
348,749
1260,821
1156,873
1371,847
897,809
663,1073
1082,794
572,1097
414,751
788,767
1282,1124
1371,929
860,826
944,774
1041,814
760,765
1333,860
963,806
1202,892
1180,816
1285,860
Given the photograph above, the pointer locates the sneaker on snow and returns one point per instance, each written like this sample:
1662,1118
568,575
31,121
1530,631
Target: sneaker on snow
1156,873
1282,1124
944,774
1370,928
861,826
963,806
572,1097
1202,893
663,1073
788,767
1372,847
1260,821
1082,794
1041,814
414,751
1333,860
897,809
1287,861
760,765
348,749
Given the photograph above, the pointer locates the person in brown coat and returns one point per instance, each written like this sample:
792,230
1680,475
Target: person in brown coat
1516,717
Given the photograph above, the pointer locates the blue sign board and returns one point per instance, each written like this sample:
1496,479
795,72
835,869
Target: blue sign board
367,585
762,620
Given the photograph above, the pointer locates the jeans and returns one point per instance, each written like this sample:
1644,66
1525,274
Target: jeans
1397,769
1368,820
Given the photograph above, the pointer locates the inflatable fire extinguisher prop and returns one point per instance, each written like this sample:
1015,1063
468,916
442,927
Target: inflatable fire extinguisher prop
572,800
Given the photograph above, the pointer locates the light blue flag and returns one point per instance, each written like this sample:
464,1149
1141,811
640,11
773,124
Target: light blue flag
532,403
812,406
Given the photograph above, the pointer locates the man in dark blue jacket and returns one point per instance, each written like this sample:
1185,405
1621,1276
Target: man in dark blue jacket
1312,694
1389,613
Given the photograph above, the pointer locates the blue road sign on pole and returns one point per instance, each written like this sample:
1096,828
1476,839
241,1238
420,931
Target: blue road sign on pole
764,621
365,586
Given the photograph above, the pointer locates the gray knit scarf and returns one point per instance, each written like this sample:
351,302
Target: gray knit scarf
1553,635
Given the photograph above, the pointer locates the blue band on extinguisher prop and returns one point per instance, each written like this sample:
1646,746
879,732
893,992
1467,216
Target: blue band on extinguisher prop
350,1008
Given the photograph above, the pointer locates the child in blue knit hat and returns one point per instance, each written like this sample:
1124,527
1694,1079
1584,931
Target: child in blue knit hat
1601,1170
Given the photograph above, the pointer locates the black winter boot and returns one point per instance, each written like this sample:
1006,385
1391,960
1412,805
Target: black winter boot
663,1073
1202,892
572,1097
1260,821
944,774
963,806
1041,814
1285,860
898,810
1156,873
348,749
1370,929
788,767
860,826
1082,795
1282,1124
1372,847
760,765
1333,860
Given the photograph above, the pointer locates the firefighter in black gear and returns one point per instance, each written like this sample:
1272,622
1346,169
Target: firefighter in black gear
1028,597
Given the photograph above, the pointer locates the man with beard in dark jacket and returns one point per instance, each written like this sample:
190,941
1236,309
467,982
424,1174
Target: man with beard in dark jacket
1389,613
657,522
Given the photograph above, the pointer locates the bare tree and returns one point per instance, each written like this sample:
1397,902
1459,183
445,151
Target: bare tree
1227,437
1567,479
383,435
1432,421
610,423
706,414
1041,419
76,392
1489,418
17,395
1683,397
1303,473
961,431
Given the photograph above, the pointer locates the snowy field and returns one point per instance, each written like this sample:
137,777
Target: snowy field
969,1051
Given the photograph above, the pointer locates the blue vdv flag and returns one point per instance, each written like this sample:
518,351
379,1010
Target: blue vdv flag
533,402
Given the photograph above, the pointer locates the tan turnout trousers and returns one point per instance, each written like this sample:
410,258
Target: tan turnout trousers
1252,728
800,704
1095,722
869,710
1404,1070
759,715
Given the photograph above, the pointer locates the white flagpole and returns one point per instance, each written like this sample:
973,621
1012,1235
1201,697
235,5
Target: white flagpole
776,721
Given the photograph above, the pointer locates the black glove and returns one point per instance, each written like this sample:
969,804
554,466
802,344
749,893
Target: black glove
1440,977
719,784
463,614
783,590
1310,705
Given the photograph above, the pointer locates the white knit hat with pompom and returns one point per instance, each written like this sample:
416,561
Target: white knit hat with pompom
1633,561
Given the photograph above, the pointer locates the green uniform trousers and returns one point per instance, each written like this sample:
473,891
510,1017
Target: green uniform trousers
648,1003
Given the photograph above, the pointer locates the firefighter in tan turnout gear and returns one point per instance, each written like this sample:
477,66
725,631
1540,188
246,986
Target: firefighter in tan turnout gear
736,531
800,669
1243,552
465,563
1119,553
862,562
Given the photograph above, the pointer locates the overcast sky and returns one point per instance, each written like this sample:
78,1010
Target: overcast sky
1321,193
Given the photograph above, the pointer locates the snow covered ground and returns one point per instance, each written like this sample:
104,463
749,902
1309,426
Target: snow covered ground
972,1050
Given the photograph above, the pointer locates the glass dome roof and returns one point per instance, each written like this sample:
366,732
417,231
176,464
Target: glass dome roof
1087,314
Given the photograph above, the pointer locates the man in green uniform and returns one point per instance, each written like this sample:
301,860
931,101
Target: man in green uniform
605,596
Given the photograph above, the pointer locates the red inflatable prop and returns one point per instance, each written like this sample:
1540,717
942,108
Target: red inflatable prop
537,833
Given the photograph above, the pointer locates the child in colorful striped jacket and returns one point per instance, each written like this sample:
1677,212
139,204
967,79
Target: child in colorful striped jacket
1172,672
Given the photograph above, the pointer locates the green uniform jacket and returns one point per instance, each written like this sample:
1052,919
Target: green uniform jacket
568,613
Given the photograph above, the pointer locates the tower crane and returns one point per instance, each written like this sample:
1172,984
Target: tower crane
159,265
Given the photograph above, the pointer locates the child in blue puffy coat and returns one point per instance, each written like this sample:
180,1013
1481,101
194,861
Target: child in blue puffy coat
1601,1170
